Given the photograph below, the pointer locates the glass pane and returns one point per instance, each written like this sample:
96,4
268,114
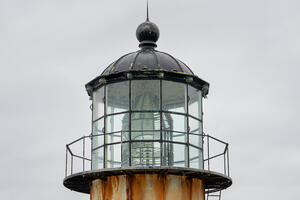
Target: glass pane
98,127
145,135
196,158
97,141
125,154
180,155
174,154
98,131
113,156
174,122
119,122
113,137
174,136
145,124
167,154
145,95
98,103
97,158
125,136
195,101
195,126
117,97
174,96
196,140
145,153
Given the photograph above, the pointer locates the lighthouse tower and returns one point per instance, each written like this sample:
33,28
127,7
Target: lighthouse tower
147,140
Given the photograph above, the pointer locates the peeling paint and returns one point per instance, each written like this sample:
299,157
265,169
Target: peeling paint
147,187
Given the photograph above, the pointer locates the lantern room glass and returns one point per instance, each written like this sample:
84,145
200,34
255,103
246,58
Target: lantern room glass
147,123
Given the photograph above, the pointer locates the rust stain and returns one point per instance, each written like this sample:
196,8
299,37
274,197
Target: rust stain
97,191
177,188
197,189
128,187
147,187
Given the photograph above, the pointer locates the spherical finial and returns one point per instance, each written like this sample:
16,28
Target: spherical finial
147,34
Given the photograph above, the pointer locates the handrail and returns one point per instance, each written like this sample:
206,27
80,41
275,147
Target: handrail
206,147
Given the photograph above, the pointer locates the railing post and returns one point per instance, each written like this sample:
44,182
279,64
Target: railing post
227,161
83,153
66,170
71,164
91,146
208,152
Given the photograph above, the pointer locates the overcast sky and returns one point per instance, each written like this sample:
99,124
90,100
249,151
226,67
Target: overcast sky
248,50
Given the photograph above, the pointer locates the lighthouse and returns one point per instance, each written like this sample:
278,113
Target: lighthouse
147,140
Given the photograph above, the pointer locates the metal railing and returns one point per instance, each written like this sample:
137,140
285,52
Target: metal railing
214,195
215,155
222,152
70,155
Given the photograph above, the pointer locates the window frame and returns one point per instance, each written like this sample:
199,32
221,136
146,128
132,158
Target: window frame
186,115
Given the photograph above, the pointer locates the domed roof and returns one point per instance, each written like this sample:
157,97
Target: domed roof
147,63
147,58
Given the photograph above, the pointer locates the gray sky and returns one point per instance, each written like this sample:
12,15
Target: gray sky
248,50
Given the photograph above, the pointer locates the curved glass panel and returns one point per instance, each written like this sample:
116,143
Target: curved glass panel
148,128
145,154
97,158
117,123
174,96
145,95
117,97
98,133
174,122
145,121
195,132
196,158
179,155
174,127
125,154
145,126
174,155
98,103
195,102
113,155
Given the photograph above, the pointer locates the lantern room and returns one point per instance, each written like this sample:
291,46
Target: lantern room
147,131
147,110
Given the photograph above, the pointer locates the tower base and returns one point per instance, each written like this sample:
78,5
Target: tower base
147,187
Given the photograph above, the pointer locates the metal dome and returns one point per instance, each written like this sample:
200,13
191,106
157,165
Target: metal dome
147,59
147,63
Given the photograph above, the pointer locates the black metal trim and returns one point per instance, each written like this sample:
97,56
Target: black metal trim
148,111
158,140
147,74
187,99
130,115
104,150
161,122
213,181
